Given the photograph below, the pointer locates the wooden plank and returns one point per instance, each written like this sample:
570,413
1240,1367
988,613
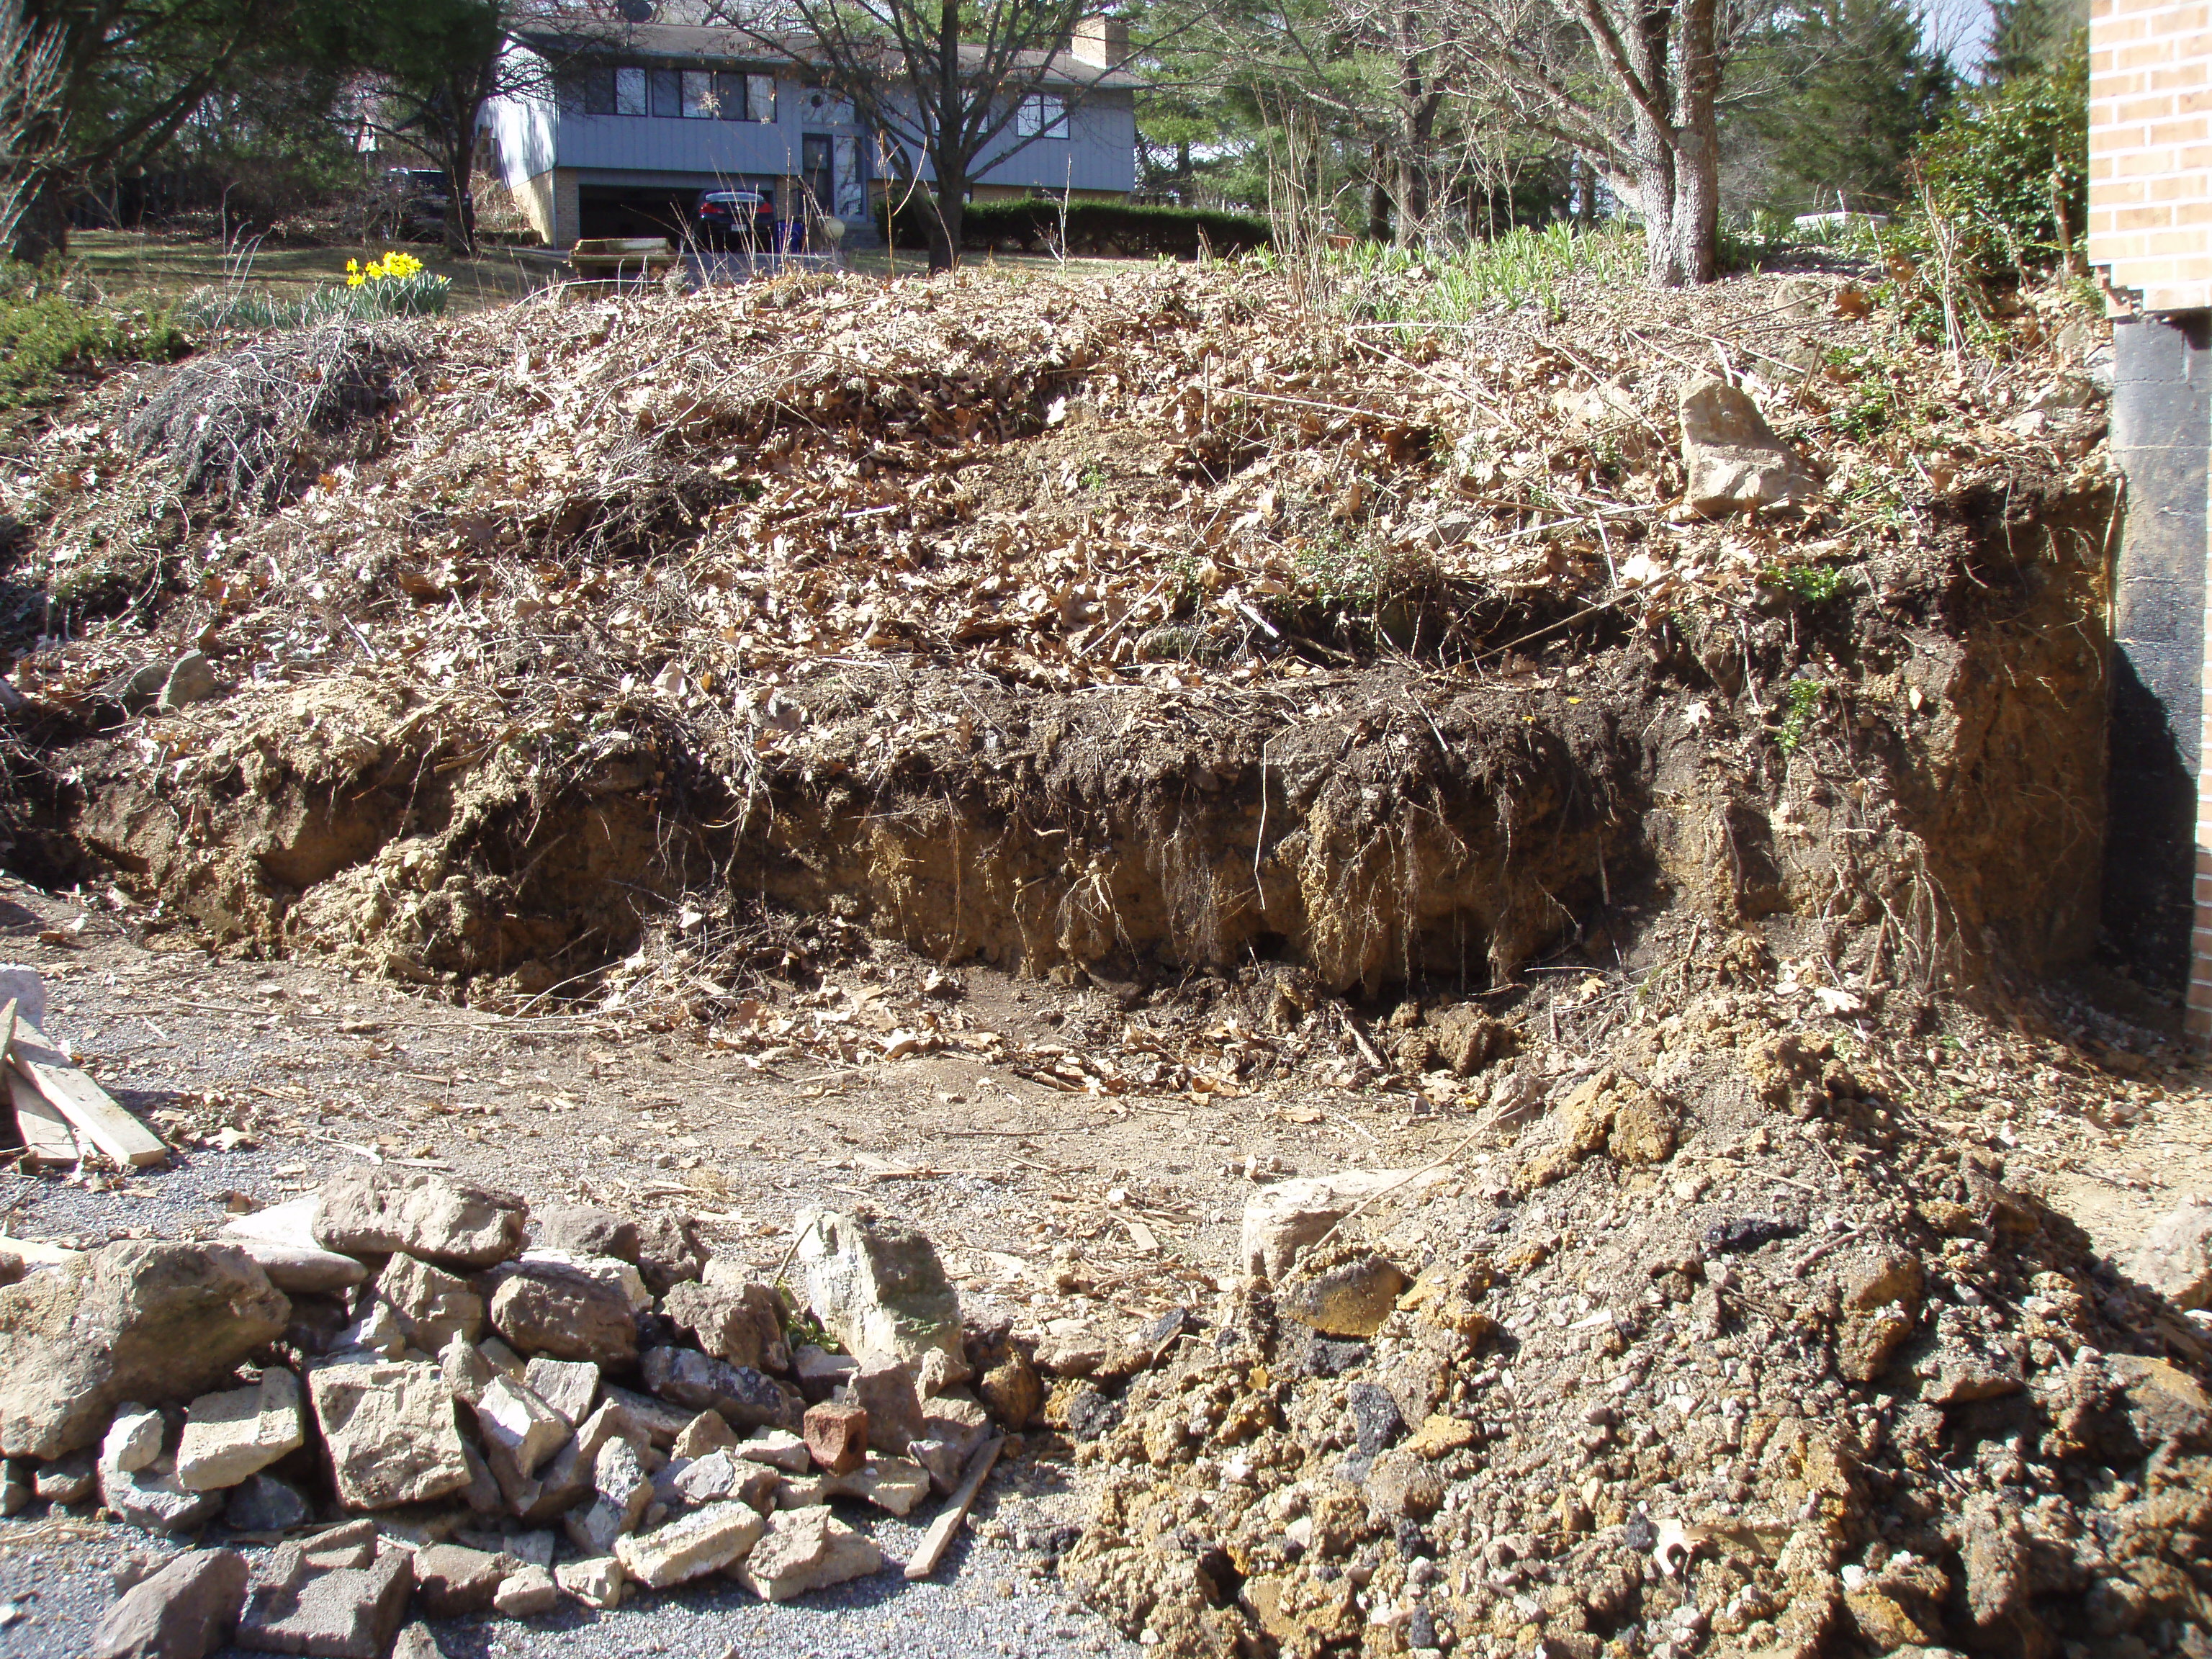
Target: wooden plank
934,1541
46,1135
89,1107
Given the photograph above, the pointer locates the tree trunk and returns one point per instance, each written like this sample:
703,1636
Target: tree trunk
948,210
1696,65
1378,201
42,231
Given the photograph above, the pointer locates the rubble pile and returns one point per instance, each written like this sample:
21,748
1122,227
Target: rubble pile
1712,1348
429,1399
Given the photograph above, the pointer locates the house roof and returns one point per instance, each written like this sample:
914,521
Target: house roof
695,43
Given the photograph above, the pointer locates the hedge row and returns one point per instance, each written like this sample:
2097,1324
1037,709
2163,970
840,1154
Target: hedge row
1093,227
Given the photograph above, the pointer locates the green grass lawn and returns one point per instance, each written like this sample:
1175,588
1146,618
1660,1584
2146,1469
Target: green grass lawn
138,268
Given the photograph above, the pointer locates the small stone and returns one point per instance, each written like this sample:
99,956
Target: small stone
741,1323
1073,1353
230,1436
134,1438
701,1480
191,679
416,1642
1283,1218
820,1372
1013,1391
708,1432
263,1502
281,1239
1374,1420
1352,1299
150,1498
595,1528
669,1251
69,1480
597,1582
339,1612
1439,1436
804,1550
17,1488
185,1611
748,1398
1734,460
837,1436
567,1479
878,1288
452,1581
518,1423
618,1476
887,1394
609,1273
380,1211
562,1311
390,1432
958,1420
706,1541
568,1386
433,1306
352,1544
778,1448
1400,1485
2175,1258
584,1229
467,1371
526,1593
941,1459
534,1548
896,1483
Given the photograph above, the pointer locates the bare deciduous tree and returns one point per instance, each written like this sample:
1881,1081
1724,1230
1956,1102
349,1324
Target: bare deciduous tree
944,83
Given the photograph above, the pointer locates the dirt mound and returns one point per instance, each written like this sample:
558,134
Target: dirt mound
1729,1351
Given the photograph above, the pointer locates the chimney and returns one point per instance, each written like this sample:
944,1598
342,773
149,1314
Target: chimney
1100,41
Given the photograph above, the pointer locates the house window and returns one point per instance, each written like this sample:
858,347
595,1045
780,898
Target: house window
700,103
630,92
1041,115
729,95
668,93
588,91
760,97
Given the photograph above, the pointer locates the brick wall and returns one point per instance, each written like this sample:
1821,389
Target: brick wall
2150,149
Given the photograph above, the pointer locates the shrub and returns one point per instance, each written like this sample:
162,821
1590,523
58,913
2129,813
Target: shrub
1033,226
396,285
1990,166
52,329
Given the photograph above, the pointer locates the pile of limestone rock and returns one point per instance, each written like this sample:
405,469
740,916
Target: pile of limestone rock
426,1401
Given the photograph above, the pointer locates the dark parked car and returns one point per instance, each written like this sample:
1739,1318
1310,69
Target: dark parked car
420,198
730,218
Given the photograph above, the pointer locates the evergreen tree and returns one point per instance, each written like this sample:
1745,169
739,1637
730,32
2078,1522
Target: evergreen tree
2028,37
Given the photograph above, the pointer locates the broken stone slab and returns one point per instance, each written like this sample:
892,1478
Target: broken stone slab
565,1482
779,1449
886,1392
191,679
71,1479
669,1251
560,1310
389,1428
598,1582
377,1331
619,1477
706,1541
150,1500
1734,460
382,1211
453,1581
516,1422
527,1593
1282,1219
239,1432
896,1484
747,1397
612,1271
350,1544
1013,1391
880,1289
416,1642
2175,1258
941,1459
135,1438
958,1418
281,1239
584,1229
432,1305
17,1487
709,1431
467,1371
805,1550
715,1476
265,1503
822,1373
741,1323
568,1387
185,1611
136,1320
333,1613
660,1421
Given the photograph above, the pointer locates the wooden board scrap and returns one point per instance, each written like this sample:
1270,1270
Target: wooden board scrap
47,1138
89,1108
934,1541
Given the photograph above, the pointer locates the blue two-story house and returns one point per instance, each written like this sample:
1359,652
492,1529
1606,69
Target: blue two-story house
623,127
